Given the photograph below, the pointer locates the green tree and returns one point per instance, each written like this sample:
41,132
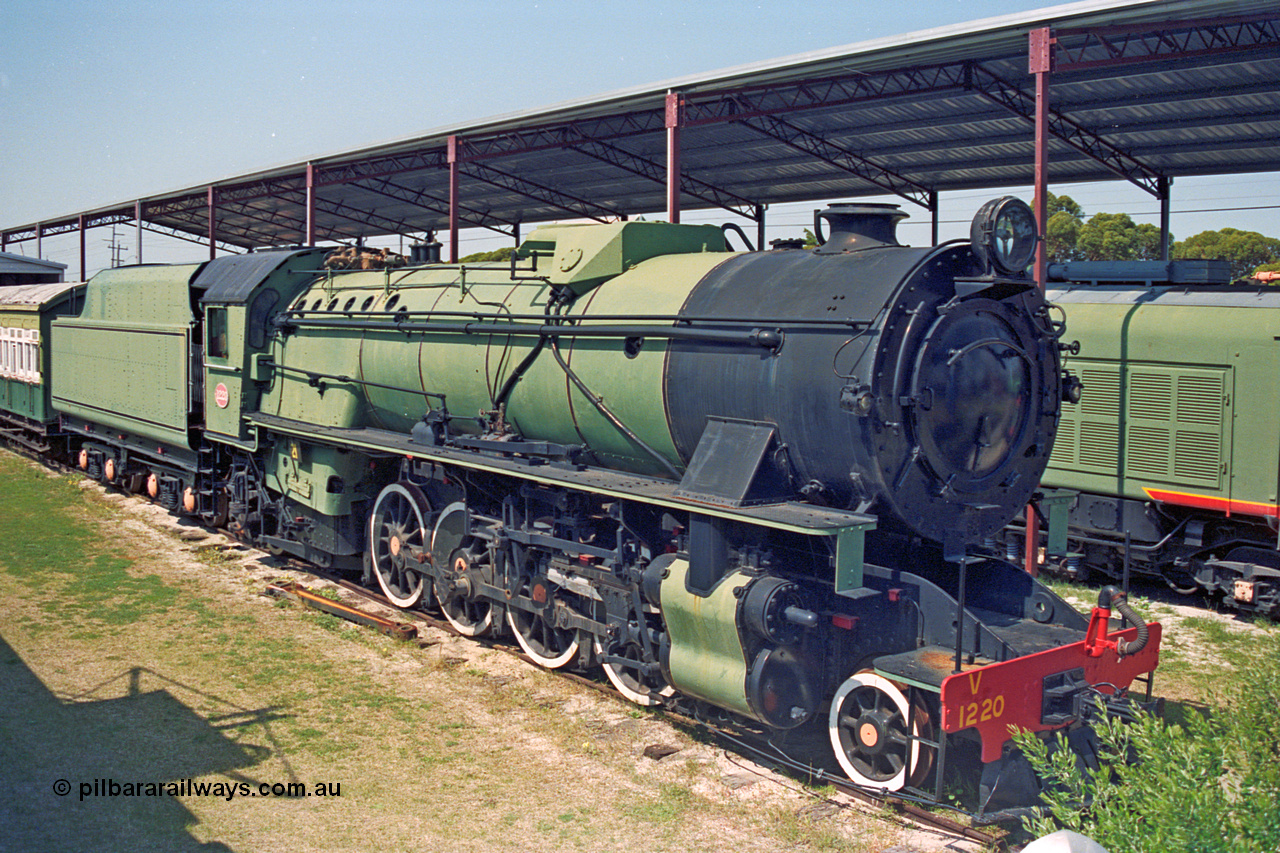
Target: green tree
1063,204
1062,231
1247,250
503,254
1116,237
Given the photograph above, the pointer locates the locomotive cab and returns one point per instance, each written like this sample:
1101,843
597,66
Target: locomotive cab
241,295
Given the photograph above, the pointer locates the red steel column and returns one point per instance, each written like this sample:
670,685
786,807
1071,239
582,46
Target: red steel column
83,268
1164,185
1040,63
452,157
213,225
673,156
310,237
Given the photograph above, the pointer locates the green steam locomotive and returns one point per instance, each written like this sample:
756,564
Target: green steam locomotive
744,482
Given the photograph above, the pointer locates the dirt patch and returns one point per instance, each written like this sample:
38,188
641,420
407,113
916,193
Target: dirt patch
147,655
1202,650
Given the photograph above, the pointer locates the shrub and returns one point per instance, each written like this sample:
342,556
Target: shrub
1210,784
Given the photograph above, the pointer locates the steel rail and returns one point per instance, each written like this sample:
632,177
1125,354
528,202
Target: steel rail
911,811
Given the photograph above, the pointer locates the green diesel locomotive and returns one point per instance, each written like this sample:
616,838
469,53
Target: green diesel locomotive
1173,447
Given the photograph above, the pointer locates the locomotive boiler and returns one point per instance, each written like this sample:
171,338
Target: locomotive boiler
912,383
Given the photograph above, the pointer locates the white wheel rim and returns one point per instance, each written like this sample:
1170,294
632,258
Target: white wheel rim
560,660
889,689
401,493
616,678
467,629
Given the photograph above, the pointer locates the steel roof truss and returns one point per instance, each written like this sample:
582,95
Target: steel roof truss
276,221
193,209
1122,45
382,167
657,172
555,198
1108,100
199,239
1077,136
370,219
842,158
827,92
55,228
558,136
439,206
230,233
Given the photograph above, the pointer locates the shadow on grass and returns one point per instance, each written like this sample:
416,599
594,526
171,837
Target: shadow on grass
1180,712
60,756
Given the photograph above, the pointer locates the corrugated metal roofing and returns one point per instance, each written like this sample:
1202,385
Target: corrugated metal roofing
34,294
933,111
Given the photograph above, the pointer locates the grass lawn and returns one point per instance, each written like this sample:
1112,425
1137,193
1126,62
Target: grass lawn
132,656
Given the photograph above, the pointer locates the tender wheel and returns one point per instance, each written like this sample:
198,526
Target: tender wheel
869,724
540,639
221,512
631,683
399,521
469,615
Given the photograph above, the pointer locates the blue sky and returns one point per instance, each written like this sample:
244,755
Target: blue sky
102,102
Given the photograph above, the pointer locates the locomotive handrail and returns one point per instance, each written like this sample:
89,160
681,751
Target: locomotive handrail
654,318
737,229
956,355
766,338
316,376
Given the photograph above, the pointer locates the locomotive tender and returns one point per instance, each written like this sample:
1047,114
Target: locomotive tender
737,481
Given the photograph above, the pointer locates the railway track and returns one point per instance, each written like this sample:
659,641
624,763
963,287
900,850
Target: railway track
736,740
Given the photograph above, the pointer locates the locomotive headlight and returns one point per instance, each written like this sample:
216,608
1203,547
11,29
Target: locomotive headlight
1072,388
1004,235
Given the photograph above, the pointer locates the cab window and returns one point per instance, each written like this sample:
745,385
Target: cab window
216,325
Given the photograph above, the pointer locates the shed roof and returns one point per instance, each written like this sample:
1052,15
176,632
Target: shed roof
11,264
1142,91
35,294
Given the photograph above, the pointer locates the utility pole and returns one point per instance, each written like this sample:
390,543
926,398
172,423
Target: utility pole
117,248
